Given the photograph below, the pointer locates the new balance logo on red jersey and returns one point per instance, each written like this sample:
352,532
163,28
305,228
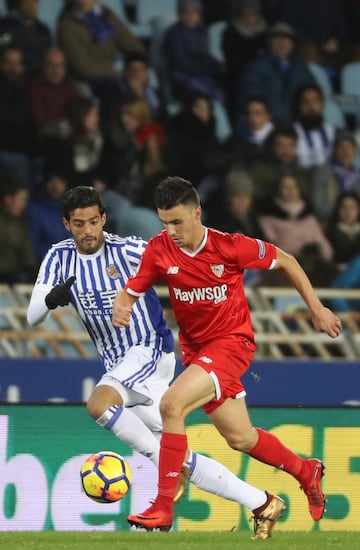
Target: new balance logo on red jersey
172,474
215,294
205,359
173,269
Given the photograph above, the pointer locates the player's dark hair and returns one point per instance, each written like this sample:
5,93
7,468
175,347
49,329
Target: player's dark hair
173,191
81,196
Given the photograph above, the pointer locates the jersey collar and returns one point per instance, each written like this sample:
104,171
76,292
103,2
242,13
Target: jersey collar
200,247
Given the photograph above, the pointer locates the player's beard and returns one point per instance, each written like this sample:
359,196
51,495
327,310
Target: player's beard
91,245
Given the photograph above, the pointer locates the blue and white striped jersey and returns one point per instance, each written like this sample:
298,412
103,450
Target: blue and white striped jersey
99,277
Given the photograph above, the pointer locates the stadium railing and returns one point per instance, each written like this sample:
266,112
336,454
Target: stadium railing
281,321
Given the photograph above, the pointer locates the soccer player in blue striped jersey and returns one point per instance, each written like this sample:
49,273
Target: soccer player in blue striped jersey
88,270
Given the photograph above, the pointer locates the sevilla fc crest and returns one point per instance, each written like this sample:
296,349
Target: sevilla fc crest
218,269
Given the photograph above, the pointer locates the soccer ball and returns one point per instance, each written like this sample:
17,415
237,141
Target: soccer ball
105,477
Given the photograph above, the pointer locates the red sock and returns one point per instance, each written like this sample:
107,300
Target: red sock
270,450
172,455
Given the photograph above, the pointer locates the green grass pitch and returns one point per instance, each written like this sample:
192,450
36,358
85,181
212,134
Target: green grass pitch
188,540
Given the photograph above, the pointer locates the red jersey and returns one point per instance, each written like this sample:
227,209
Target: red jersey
206,286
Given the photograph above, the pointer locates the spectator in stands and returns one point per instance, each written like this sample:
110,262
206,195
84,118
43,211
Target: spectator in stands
242,39
22,29
123,216
348,278
74,145
92,38
315,136
18,262
194,147
235,212
50,92
276,73
321,28
135,83
279,159
190,65
289,223
44,214
134,151
249,140
343,166
16,136
343,229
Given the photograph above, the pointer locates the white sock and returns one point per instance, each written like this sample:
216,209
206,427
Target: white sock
130,429
211,476
206,473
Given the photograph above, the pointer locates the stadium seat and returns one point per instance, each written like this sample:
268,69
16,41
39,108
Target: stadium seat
334,114
157,60
350,78
215,31
150,10
223,126
322,79
49,12
350,90
117,7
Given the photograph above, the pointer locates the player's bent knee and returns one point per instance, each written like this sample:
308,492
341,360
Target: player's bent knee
94,409
242,443
170,409
101,399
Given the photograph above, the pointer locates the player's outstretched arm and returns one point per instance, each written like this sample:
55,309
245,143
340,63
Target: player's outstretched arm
122,307
324,320
45,298
60,295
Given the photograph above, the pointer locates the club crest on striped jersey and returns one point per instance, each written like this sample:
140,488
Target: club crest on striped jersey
112,272
217,269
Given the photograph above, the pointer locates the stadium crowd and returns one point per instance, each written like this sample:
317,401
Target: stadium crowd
249,123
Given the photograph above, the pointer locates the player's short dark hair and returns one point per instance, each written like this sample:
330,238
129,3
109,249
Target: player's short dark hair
81,196
173,191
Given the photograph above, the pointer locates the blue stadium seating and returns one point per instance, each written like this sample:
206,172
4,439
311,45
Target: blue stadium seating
334,114
148,10
215,31
48,13
350,90
322,79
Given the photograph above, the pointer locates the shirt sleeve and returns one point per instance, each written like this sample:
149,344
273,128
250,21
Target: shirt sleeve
134,250
37,310
146,275
255,253
49,275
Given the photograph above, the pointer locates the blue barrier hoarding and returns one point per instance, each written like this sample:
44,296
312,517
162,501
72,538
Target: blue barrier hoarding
276,383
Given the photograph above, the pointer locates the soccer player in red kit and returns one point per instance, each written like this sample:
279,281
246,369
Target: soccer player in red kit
204,269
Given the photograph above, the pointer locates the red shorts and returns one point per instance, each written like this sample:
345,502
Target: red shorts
226,361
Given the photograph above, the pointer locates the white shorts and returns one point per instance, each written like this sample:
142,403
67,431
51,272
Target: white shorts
141,378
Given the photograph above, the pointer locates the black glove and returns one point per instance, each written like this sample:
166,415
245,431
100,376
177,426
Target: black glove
60,295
